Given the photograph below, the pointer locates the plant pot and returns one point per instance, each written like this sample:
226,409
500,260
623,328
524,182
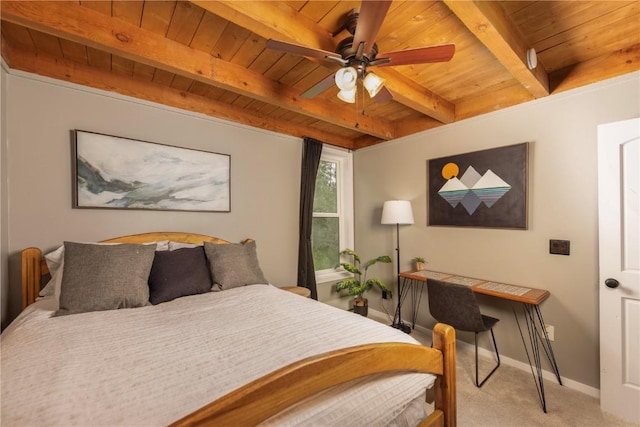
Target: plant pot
419,266
361,307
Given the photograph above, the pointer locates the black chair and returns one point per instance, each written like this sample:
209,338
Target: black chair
456,305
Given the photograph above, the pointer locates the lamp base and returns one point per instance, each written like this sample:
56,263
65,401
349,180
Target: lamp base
403,327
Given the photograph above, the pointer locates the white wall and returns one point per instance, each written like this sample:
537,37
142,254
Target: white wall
562,205
265,175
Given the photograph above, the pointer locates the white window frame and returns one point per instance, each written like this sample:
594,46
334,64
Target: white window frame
344,160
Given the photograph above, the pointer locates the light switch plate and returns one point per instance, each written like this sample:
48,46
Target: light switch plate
559,247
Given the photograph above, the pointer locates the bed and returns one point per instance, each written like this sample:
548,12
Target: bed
242,355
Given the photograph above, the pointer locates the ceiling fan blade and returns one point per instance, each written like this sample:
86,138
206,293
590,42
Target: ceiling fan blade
372,14
383,96
297,49
319,87
421,55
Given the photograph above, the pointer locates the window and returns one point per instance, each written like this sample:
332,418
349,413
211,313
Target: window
332,227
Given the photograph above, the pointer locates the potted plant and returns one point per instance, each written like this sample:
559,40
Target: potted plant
359,284
418,263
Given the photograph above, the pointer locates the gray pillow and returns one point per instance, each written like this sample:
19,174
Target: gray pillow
104,277
233,265
178,273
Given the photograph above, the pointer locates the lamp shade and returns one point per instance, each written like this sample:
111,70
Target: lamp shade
347,95
373,83
346,78
397,212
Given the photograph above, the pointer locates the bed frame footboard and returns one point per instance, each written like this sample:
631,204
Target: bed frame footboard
271,394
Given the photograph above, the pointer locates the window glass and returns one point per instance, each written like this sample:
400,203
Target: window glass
326,195
325,241
332,225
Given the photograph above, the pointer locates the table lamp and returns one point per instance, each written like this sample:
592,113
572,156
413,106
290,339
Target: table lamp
398,212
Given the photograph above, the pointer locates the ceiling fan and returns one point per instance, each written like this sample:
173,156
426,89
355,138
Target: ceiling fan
355,54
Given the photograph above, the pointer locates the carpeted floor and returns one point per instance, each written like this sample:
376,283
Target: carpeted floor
509,398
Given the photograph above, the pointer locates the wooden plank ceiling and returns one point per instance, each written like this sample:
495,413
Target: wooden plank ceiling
210,57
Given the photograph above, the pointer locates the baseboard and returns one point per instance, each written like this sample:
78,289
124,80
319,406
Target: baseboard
547,375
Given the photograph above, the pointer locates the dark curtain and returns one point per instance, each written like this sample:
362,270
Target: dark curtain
310,162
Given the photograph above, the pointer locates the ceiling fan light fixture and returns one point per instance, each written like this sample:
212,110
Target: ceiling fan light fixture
346,78
358,51
348,95
373,83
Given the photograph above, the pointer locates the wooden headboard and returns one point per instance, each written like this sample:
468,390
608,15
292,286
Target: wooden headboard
34,266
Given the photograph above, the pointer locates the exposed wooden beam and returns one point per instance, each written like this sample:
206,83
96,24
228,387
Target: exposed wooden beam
6,50
82,25
604,67
403,128
365,141
411,126
287,24
500,98
271,20
488,22
417,97
62,69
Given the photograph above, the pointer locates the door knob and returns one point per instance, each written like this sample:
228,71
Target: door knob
612,283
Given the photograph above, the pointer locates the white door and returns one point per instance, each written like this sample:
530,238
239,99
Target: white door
619,234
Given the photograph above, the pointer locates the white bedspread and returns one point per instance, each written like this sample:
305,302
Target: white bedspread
151,366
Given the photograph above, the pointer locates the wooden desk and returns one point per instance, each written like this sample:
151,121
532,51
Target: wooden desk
500,290
529,298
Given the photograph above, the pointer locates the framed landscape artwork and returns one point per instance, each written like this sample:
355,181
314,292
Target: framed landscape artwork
111,172
485,188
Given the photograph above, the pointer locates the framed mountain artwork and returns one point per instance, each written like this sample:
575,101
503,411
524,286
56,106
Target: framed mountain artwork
486,188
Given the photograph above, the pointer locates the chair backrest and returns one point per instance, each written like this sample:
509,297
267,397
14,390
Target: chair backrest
455,305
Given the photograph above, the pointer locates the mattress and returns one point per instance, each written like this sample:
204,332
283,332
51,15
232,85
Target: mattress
153,365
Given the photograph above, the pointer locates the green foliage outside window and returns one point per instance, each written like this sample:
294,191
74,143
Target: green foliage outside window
325,241
325,199
325,236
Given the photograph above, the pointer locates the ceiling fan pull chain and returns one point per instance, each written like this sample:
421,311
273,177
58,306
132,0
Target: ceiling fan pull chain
363,108
356,104
356,107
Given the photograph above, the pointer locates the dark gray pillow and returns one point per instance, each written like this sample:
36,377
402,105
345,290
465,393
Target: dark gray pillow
233,265
104,277
178,273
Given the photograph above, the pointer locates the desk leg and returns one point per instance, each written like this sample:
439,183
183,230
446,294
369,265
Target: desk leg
416,295
546,343
537,335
